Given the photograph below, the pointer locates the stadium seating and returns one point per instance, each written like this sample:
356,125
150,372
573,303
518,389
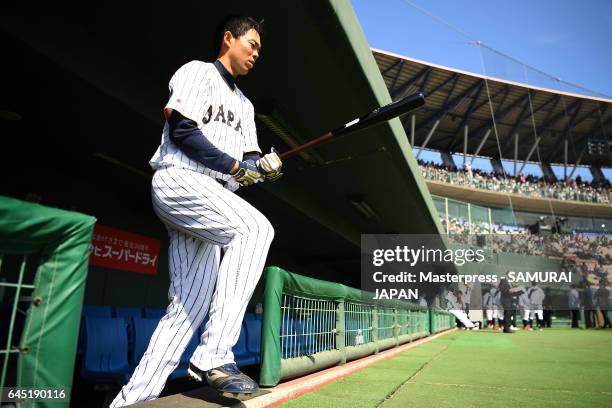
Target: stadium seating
91,311
128,312
97,311
253,327
105,350
246,350
108,356
154,312
241,354
143,330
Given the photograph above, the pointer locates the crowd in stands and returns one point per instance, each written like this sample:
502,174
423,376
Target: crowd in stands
588,255
529,185
462,226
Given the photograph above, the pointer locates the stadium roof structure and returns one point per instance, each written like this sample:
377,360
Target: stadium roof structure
456,99
316,73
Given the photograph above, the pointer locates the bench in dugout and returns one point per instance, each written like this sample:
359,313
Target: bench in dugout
111,347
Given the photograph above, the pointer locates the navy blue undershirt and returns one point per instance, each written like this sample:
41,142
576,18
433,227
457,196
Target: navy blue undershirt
229,78
190,140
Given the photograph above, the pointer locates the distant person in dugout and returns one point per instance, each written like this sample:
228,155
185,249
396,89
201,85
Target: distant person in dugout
590,318
602,299
507,293
573,304
548,307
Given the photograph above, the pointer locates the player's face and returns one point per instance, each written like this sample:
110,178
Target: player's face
244,52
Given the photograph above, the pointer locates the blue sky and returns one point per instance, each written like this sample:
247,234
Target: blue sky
568,39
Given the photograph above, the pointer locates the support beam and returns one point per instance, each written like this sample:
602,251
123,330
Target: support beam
449,105
525,114
454,79
482,142
465,143
503,90
499,115
398,91
471,109
516,145
578,162
397,62
424,82
514,130
572,123
584,137
412,124
598,125
431,132
552,120
535,145
397,75
565,159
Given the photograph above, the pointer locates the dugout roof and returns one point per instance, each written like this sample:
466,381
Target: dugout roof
457,98
90,80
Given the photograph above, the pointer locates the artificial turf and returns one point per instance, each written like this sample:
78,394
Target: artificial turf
556,367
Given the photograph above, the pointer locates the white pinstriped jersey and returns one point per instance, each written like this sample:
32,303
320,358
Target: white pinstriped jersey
203,218
225,117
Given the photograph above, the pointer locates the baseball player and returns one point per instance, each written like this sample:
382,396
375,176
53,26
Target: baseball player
490,307
536,298
454,306
218,241
526,312
498,310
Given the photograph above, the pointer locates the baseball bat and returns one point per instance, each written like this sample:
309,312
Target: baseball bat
378,115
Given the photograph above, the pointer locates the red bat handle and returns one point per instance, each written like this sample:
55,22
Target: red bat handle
299,149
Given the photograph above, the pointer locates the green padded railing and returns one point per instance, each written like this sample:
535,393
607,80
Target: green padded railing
60,242
310,324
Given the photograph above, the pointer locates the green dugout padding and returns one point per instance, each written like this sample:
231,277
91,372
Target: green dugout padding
405,322
49,339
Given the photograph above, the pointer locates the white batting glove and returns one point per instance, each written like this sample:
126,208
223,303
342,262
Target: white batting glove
270,166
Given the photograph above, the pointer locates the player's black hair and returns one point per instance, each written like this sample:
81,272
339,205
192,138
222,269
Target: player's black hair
237,25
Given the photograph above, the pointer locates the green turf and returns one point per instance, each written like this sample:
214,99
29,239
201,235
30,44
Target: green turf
556,367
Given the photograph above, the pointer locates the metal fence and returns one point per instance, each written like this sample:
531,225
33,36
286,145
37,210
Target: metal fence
358,324
310,324
15,272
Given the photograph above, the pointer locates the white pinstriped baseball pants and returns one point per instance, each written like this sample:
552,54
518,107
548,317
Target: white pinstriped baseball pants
203,219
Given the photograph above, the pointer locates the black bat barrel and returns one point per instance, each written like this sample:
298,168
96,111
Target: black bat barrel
383,114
